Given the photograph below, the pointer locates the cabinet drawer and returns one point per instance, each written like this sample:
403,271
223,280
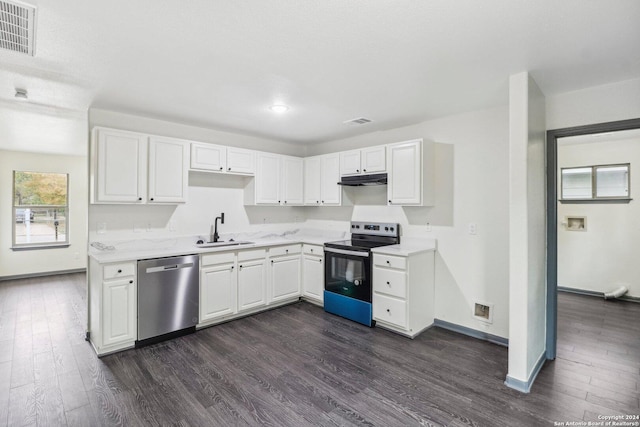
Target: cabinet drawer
390,261
313,249
252,254
217,258
284,250
112,271
390,310
390,282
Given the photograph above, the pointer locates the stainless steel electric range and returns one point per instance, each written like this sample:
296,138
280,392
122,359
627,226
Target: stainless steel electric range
347,276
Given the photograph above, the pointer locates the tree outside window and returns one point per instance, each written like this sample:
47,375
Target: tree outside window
40,209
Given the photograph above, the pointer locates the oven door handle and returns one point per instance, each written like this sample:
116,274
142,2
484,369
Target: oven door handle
344,252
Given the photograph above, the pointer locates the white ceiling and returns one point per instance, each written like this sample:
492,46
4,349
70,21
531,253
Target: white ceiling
220,64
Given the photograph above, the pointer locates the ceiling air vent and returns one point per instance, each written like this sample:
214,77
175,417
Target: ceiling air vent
358,121
17,27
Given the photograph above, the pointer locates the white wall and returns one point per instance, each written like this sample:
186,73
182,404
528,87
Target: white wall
17,263
599,104
472,187
606,254
208,196
527,233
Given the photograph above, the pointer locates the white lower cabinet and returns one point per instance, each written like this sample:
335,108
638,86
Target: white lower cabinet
313,273
403,291
218,282
113,306
252,289
284,272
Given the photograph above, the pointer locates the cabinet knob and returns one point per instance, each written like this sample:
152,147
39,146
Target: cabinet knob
228,169
311,250
130,281
320,260
139,199
271,261
232,267
317,201
387,261
286,250
364,170
323,202
388,283
152,199
119,271
357,170
389,201
279,201
389,311
285,202
240,266
220,167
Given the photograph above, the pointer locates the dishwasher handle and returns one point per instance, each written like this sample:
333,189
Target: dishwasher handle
171,267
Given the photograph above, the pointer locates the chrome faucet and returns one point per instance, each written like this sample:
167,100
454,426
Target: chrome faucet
214,229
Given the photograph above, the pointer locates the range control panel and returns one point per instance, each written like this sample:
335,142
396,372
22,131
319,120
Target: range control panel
375,228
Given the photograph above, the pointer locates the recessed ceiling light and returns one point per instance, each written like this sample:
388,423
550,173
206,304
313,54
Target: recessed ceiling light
279,108
21,94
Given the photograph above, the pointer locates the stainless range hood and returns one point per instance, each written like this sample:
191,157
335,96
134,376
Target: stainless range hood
360,180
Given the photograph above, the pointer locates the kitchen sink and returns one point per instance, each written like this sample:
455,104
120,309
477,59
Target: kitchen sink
222,244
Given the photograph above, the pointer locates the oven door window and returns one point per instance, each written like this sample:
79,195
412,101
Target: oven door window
348,275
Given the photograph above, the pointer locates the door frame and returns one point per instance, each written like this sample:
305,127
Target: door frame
552,214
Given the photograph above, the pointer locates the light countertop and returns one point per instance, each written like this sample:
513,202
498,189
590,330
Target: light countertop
137,249
408,246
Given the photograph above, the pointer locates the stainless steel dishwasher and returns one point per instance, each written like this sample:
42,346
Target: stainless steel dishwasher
167,297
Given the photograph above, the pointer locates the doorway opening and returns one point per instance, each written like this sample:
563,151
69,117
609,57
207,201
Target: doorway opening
552,214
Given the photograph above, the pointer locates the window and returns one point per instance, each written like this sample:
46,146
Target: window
40,209
604,182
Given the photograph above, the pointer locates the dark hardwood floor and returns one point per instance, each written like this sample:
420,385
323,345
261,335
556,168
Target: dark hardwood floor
298,366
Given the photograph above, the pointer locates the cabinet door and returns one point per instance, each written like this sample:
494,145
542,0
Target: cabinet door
252,289
241,161
208,157
374,159
119,311
291,182
217,291
350,162
312,179
331,192
313,277
405,177
168,170
285,277
121,166
267,179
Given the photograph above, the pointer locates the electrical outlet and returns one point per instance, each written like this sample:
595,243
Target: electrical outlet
483,312
473,228
102,228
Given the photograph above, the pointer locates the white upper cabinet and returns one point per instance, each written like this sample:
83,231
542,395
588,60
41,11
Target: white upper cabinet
321,176
278,181
350,163
130,167
168,170
241,161
208,157
119,166
411,176
291,180
312,180
365,161
374,159
218,158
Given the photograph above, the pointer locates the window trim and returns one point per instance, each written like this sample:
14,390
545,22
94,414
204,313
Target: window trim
41,245
594,186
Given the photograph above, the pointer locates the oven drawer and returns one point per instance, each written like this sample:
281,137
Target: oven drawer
390,310
390,282
390,261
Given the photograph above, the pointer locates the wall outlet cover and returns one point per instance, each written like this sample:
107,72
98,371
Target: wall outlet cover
483,312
